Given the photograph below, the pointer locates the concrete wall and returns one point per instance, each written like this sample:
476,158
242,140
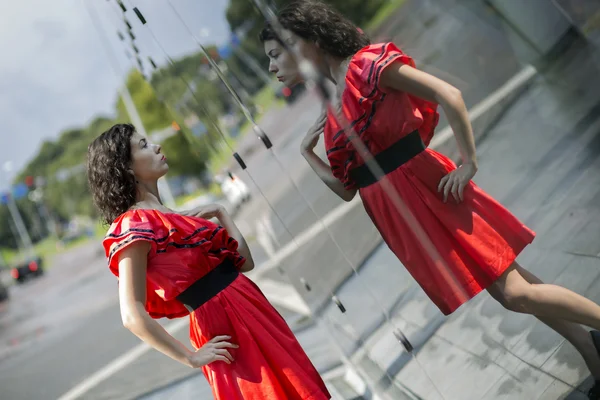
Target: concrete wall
535,25
584,15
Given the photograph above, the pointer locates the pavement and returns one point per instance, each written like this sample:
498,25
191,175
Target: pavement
539,155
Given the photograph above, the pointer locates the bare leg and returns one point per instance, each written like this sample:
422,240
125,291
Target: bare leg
544,300
572,332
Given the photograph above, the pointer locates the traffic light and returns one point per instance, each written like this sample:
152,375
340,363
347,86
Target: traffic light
30,181
214,53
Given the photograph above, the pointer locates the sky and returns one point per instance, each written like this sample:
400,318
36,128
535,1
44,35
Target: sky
55,73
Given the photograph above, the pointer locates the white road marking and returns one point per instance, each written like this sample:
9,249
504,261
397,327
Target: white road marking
117,364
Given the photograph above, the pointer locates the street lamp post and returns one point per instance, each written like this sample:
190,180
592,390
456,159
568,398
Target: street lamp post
37,196
16,216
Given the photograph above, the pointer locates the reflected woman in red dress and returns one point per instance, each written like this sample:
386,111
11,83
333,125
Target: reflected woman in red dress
393,109
180,264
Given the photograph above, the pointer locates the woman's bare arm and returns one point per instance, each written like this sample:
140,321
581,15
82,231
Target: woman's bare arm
405,78
133,261
321,168
233,231
421,84
219,212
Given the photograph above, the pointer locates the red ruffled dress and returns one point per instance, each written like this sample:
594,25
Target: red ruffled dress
475,241
269,364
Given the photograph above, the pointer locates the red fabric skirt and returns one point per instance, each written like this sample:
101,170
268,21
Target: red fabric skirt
269,364
470,243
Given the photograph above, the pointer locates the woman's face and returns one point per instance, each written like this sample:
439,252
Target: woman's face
282,64
147,162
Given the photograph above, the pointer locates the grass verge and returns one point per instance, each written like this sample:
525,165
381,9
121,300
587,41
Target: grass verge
382,14
46,249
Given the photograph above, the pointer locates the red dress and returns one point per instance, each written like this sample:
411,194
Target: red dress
474,241
269,363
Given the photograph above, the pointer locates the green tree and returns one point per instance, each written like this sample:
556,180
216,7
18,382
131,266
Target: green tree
49,152
61,162
153,113
171,83
7,237
185,158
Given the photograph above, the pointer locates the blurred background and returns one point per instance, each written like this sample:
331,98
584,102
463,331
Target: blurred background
528,71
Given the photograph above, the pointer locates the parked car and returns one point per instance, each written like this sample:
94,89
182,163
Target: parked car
28,269
234,189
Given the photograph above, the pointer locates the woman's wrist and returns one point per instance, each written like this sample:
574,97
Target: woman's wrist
306,152
187,358
221,210
472,162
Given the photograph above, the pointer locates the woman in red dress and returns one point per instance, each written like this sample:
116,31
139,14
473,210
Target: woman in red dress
177,264
392,107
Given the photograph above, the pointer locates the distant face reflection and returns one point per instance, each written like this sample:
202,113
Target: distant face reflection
282,64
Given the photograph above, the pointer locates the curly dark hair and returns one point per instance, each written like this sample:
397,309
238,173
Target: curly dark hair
268,33
318,22
108,161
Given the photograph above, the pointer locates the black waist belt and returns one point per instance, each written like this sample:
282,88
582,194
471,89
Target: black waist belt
389,159
209,285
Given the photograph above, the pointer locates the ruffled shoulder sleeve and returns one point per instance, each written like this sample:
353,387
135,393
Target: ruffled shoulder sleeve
361,98
367,65
340,155
223,246
131,227
364,76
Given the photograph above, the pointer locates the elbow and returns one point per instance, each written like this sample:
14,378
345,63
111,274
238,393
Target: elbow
348,195
248,265
131,321
450,96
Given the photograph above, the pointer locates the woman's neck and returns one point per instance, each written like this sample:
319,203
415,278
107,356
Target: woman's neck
336,68
148,195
